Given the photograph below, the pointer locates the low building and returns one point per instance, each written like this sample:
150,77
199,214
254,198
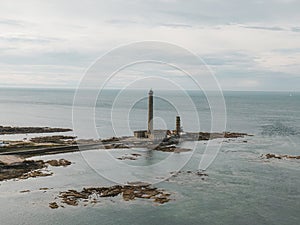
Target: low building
158,135
140,133
155,135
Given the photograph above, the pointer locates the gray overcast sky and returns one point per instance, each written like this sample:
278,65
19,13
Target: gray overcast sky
250,45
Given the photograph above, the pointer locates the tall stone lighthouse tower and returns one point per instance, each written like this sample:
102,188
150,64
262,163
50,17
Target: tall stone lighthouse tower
150,112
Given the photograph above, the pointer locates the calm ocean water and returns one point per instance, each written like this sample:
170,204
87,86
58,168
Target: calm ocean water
241,188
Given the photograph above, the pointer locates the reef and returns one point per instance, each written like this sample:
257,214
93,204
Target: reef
128,192
205,136
53,205
275,156
28,169
132,156
28,130
61,162
58,139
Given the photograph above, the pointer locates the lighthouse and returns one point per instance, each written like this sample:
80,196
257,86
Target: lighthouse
151,133
150,112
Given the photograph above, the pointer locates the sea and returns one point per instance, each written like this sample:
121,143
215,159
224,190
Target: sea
242,186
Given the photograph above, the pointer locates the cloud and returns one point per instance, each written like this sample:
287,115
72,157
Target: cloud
295,29
287,50
174,25
266,28
236,38
11,22
32,39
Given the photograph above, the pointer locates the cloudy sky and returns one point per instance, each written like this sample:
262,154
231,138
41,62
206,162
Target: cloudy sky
249,45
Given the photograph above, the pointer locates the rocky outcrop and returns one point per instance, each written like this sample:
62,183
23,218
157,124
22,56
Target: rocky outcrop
133,156
205,136
171,148
27,130
274,156
28,169
20,170
53,205
128,192
61,162
112,139
115,145
57,139
35,173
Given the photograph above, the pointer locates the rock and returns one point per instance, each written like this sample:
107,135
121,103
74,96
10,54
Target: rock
28,168
205,136
139,183
26,130
201,174
161,200
171,148
21,170
112,139
111,191
10,159
61,162
53,205
70,201
58,139
274,156
36,173
126,158
128,192
115,145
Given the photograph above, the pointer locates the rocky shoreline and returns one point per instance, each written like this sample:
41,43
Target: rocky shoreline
29,168
275,156
62,144
28,130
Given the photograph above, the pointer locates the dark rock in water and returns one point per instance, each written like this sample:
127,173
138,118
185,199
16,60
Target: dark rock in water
162,200
58,139
205,136
129,192
171,148
44,189
115,145
21,170
35,173
274,156
27,130
28,168
127,158
112,139
134,156
53,205
189,172
61,162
